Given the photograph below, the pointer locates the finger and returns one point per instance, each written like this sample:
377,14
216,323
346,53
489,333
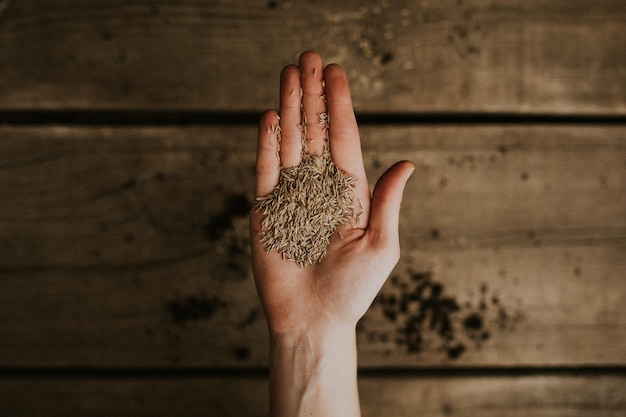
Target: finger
290,117
267,159
345,144
313,101
386,200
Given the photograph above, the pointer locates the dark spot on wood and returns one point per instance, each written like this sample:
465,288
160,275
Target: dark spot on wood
454,352
272,5
217,225
503,149
421,276
434,233
129,238
577,271
194,308
390,314
524,176
394,280
386,58
253,316
242,352
460,31
473,321
239,205
160,177
508,321
106,35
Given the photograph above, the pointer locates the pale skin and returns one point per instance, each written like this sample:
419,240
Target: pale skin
312,312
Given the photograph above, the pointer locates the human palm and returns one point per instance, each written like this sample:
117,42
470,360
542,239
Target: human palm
338,290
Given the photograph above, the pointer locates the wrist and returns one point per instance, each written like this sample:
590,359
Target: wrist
316,337
316,367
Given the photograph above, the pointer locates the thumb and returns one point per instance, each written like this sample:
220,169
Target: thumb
386,200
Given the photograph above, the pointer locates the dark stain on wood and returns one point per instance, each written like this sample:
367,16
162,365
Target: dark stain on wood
242,352
421,311
237,205
194,308
386,58
254,315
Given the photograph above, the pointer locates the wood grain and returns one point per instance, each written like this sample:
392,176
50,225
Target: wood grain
554,396
128,247
524,56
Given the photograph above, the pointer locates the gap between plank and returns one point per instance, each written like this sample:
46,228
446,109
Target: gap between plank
262,372
199,117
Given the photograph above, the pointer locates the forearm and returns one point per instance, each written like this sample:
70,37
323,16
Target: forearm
314,374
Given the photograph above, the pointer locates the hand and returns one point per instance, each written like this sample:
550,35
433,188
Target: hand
312,312
340,289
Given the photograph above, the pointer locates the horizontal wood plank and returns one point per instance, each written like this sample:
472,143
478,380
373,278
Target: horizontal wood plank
553,396
128,247
526,56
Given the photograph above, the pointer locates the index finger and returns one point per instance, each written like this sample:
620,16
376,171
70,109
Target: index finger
267,156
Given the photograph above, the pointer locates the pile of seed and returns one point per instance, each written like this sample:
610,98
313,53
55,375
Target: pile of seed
304,210
307,205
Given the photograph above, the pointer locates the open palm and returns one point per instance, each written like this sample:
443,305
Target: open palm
339,289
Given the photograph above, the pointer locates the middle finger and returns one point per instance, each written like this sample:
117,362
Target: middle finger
313,101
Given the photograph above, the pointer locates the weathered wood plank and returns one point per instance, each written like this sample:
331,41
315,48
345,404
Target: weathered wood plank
552,396
546,396
128,247
523,56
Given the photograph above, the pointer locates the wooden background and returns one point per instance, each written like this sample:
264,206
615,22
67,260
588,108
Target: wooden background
127,136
